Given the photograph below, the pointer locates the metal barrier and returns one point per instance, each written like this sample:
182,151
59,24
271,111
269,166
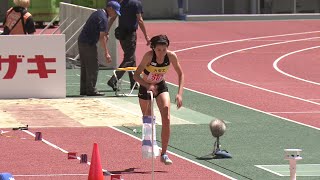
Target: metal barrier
120,89
72,19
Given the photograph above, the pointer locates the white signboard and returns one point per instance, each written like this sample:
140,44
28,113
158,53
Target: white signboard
32,66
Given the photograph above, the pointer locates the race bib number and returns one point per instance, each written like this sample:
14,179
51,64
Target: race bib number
155,77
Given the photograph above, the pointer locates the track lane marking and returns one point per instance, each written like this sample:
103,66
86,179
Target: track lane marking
247,39
59,148
275,65
210,64
181,157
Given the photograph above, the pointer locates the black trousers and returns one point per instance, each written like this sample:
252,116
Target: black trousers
128,46
89,68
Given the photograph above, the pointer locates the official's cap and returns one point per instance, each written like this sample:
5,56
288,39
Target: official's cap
115,5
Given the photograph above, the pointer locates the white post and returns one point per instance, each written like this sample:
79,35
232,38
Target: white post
51,22
222,6
187,6
293,169
294,6
293,155
180,9
152,138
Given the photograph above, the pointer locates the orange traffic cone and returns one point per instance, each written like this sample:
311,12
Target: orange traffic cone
95,172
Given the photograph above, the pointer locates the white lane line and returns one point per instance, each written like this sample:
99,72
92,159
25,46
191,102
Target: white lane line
247,39
210,64
275,65
57,147
238,104
305,112
181,157
139,115
212,44
302,169
47,142
266,169
47,175
281,165
217,41
257,110
233,41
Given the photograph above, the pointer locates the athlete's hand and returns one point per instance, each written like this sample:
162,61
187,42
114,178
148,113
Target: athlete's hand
179,101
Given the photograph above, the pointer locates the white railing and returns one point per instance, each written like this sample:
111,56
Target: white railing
72,19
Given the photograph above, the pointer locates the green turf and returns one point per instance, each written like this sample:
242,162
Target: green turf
73,82
253,138
251,143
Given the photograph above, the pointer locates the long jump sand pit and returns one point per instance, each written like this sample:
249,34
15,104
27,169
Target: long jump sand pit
69,112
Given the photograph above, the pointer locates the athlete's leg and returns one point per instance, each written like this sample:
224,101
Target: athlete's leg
163,102
145,107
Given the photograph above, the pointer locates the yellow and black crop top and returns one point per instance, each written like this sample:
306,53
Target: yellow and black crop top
155,72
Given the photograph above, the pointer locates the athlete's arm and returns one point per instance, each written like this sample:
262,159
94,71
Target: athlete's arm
176,65
143,64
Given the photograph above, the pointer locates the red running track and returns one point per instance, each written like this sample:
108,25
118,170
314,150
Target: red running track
120,154
248,77
295,100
